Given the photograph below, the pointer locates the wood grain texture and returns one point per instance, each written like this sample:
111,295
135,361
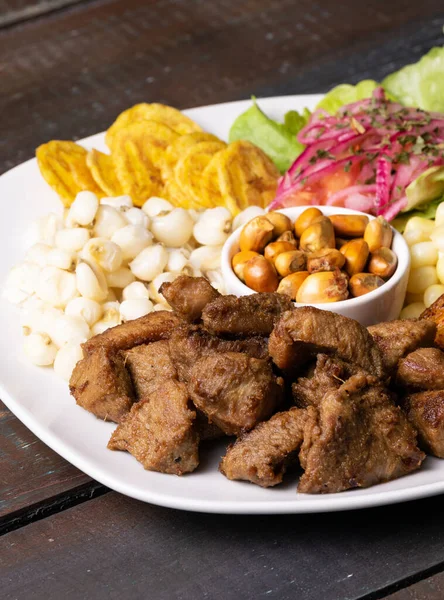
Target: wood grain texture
32,475
114,547
431,588
70,74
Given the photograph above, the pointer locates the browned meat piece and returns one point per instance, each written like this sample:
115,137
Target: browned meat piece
422,369
435,313
151,328
101,384
207,431
189,343
328,374
247,315
302,333
159,431
189,295
360,439
396,339
425,411
234,391
263,455
147,363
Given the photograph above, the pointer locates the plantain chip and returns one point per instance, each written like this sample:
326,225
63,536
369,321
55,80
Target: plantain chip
179,147
136,173
161,113
63,166
245,177
188,170
104,172
210,185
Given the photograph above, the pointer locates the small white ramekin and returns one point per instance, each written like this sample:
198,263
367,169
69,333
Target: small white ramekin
382,304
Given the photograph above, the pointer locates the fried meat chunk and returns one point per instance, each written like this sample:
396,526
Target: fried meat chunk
396,339
101,384
328,374
190,343
234,390
159,431
422,369
360,438
302,333
147,363
188,296
435,313
152,327
248,315
425,410
263,455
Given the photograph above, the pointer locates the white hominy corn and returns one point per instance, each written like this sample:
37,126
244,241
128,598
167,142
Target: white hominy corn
132,239
91,282
69,330
206,257
38,254
21,282
177,260
437,236
63,259
246,215
158,307
432,293
154,286
120,278
136,216
120,203
150,262
154,206
111,318
72,240
423,254
105,253
174,228
137,289
439,217
135,308
416,236
108,220
412,311
440,267
83,209
421,278
89,310
213,227
66,359
39,349
44,230
56,286
420,224
217,281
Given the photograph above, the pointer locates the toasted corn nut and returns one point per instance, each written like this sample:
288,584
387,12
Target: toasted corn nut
327,259
273,250
356,255
340,242
260,275
349,226
290,262
289,286
363,283
383,262
378,233
318,236
240,260
326,286
305,219
288,236
279,221
256,234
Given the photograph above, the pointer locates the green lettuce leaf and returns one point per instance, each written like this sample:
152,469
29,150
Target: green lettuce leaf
427,211
420,84
345,94
425,188
277,140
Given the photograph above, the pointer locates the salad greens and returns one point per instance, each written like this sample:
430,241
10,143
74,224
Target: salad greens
277,140
346,94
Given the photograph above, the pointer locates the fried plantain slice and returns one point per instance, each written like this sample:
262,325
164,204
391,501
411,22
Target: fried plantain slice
247,177
188,170
179,147
210,186
63,166
103,172
161,113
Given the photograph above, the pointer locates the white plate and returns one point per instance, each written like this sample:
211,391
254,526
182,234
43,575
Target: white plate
42,401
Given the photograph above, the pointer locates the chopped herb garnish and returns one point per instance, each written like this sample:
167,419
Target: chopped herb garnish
402,158
347,166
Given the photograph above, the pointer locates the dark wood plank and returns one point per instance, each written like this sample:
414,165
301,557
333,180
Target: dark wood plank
33,477
69,74
431,588
16,11
114,547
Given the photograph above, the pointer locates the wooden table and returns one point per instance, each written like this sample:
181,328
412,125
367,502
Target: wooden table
67,67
